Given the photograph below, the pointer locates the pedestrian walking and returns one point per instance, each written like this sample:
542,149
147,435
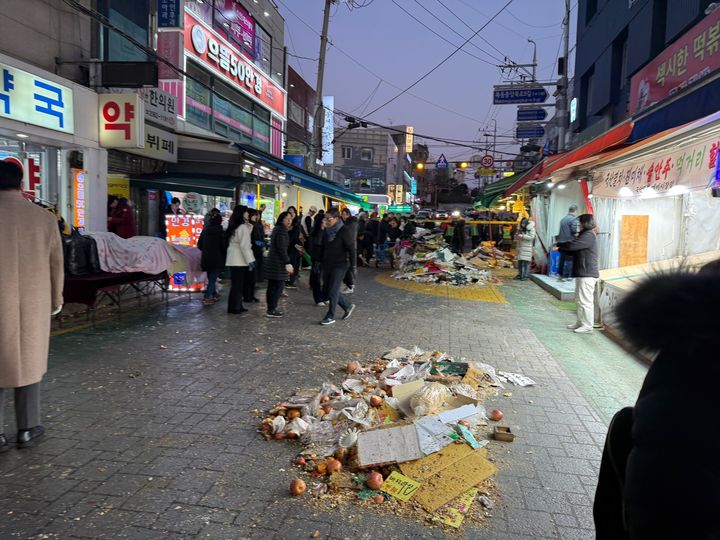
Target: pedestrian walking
277,265
458,236
568,231
585,270
121,220
31,289
257,239
675,316
294,234
525,239
351,222
213,247
240,259
315,252
339,253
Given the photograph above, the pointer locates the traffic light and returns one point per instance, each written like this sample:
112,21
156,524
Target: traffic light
463,165
419,166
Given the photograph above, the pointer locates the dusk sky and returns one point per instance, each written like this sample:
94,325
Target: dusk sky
398,49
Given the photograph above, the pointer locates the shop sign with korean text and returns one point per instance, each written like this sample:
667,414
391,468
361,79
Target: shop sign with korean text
159,144
213,51
31,99
122,120
693,56
691,166
160,107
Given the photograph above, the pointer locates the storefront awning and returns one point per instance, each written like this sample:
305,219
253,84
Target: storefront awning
493,191
610,139
209,184
303,178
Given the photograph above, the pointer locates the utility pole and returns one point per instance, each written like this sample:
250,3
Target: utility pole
562,109
316,145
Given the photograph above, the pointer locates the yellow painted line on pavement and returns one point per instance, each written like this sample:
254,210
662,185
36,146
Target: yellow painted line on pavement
473,293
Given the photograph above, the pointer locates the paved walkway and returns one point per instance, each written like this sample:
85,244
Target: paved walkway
151,435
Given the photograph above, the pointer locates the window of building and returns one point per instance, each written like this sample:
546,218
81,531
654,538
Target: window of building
366,154
263,49
198,96
590,10
347,152
261,128
296,113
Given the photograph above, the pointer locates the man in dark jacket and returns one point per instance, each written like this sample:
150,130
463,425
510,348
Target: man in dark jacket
350,222
585,269
568,232
338,254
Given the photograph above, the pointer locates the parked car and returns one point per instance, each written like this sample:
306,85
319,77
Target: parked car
423,214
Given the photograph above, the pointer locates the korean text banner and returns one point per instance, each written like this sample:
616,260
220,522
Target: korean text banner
28,98
222,58
673,171
692,57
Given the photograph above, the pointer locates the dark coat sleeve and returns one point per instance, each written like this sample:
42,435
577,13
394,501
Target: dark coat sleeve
584,241
350,244
280,246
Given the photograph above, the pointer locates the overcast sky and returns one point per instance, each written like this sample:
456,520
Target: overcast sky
395,47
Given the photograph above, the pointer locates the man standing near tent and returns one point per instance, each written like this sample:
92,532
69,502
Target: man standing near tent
568,232
30,291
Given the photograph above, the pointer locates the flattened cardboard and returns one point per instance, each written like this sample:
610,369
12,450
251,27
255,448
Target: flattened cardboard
447,474
395,444
454,513
403,392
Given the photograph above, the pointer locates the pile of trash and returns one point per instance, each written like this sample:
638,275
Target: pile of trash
405,433
428,259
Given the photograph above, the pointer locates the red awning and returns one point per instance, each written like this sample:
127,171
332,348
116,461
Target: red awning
546,167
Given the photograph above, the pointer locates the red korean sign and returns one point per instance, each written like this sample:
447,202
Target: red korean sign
693,56
672,172
183,229
215,52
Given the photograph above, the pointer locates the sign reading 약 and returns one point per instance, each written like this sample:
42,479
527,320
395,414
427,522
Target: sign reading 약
28,98
121,120
212,50
518,94
692,57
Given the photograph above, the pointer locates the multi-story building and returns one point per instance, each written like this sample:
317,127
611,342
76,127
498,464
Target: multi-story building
615,39
367,160
301,107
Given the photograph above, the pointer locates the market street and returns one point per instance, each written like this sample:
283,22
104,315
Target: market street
151,432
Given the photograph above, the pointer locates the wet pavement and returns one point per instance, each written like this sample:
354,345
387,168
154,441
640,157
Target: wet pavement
151,434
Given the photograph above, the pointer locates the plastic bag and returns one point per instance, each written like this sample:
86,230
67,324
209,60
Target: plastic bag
429,399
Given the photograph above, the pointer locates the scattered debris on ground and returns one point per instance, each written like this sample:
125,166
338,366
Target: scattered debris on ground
428,259
404,434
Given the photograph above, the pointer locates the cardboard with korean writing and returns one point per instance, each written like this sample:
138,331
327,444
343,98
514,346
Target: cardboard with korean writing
25,97
400,486
394,444
448,473
634,240
454,513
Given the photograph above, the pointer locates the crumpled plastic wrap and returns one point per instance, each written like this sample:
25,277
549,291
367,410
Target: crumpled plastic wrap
429,399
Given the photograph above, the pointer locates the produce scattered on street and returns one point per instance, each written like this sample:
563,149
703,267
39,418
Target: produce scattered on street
404,433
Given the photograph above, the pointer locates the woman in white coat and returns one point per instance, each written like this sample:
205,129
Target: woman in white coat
240,258
525,238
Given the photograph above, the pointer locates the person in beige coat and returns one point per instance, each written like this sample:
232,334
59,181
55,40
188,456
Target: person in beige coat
240,259
31,285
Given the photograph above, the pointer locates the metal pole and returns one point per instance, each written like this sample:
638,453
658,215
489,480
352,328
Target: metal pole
534,62
316,146
563,105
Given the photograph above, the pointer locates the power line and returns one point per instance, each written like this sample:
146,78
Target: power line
457,49
371,72
530,25
443,37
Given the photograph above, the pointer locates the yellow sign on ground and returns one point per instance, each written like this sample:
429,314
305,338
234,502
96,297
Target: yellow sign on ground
400,486
454,513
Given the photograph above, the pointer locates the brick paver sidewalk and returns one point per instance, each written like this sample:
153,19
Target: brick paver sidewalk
150,431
